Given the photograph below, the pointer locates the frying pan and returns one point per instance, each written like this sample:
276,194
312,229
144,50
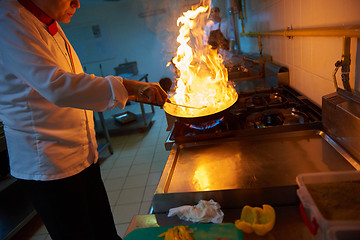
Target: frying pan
198,115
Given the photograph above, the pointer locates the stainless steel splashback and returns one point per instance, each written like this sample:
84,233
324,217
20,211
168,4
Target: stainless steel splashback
341,120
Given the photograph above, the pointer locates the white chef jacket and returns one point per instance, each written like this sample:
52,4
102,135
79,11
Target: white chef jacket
46,109
225,28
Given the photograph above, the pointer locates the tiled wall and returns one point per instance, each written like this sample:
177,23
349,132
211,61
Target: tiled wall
310,59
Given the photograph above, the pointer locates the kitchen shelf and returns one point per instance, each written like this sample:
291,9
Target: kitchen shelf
118,128
104,131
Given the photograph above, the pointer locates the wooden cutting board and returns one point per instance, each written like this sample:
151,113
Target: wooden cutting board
200,232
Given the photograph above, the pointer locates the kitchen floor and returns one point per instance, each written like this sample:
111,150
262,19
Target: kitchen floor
130,175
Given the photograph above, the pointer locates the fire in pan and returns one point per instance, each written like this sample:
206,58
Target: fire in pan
203,113
202,89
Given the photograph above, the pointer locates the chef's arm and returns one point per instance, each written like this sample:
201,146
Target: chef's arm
55,83
145,92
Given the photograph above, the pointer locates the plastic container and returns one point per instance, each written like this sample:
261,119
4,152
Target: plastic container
317,224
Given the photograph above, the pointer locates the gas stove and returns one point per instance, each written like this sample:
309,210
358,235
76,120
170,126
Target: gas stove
253,153
269,110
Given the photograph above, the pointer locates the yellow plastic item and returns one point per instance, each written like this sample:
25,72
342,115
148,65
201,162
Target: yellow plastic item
255,219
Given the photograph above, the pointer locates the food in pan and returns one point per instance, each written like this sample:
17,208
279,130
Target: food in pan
256,219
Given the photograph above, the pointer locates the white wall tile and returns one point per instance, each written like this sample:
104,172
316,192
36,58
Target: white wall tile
306,11
280,41
297,51
350,11
288,15
277,49
325,53
311,59
296,13
296,80
291,72
323,86
273,17
306,56
307,84
289,51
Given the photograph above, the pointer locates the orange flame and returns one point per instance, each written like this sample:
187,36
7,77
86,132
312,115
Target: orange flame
202,83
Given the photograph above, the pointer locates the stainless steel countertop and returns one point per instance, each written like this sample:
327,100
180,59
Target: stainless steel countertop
252,163
248,170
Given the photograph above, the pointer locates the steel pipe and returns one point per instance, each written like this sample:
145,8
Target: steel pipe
345,75
348,31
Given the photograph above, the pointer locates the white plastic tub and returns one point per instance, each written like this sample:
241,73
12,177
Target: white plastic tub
348,232
314,219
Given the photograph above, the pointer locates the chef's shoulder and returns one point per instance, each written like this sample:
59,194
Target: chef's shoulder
9,8
18,26
13,14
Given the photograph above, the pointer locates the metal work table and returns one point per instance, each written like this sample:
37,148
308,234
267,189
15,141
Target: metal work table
288,225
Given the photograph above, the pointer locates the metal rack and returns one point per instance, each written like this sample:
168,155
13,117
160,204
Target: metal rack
107,144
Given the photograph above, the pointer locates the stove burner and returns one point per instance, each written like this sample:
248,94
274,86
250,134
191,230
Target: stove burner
279,109
275,117
295,116
183,130
272,117
275,98
267,118
204,126
261,101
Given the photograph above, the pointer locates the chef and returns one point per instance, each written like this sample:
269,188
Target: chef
47,104
218,33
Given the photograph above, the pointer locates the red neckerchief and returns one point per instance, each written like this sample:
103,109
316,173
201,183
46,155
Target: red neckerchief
50,23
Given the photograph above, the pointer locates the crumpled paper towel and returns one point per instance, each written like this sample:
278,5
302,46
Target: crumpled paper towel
204,211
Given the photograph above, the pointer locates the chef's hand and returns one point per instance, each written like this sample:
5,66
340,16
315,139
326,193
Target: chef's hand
150,93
